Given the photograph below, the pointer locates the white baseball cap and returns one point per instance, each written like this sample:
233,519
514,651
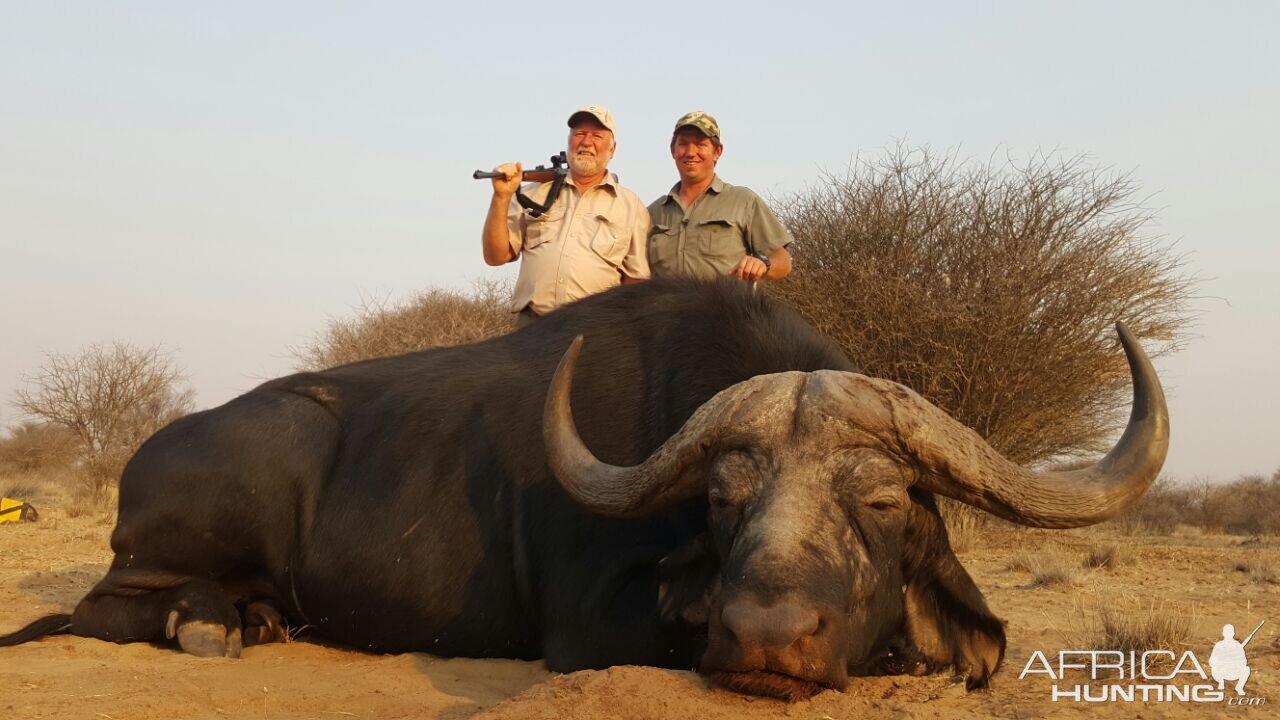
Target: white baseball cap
603,115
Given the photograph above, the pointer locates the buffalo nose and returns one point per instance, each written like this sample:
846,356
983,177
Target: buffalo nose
776,626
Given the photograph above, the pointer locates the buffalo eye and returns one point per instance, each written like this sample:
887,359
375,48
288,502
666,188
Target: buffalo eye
719,500
884,504
735,480
885,500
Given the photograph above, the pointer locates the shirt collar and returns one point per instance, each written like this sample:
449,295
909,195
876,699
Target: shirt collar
716,187
610,181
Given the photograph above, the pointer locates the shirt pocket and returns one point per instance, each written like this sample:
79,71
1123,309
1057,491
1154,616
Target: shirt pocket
661,246
607,241
720,241
544,228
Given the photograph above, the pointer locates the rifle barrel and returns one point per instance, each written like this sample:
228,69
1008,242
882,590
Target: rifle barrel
536,175
1255,632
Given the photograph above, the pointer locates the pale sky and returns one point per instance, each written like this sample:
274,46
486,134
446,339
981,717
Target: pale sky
224,177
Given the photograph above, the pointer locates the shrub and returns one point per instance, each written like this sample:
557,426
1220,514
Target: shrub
1249,505
1164,506
435,318
35,446
990,289
110,398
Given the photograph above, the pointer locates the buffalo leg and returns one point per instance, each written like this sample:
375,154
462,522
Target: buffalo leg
624,630
133,607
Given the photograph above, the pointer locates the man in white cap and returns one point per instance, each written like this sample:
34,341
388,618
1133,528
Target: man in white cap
706,227
593,236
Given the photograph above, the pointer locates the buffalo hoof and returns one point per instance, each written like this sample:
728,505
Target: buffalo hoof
204,639
263,624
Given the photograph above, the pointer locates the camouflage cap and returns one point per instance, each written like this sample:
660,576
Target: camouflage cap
602,115
701,122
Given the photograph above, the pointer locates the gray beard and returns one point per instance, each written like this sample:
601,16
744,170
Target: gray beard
585,164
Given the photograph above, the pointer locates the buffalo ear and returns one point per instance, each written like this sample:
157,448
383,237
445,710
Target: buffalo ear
946,615
687,579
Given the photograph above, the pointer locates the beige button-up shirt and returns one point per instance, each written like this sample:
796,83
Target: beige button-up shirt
582,245
711,236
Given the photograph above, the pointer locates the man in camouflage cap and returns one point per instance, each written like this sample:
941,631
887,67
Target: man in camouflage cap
591,239
706,227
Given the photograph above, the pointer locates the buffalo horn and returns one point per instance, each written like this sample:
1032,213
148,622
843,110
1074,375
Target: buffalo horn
668,476
960,465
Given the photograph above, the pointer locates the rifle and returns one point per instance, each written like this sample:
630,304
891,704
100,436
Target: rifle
555,175
1255,632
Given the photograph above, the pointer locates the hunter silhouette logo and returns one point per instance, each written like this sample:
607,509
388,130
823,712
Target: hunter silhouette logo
1227,662
1133,676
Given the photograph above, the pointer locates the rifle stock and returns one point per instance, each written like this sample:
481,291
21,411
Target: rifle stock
538,176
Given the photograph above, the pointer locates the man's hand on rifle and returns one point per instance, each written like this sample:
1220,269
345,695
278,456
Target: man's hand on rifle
506,186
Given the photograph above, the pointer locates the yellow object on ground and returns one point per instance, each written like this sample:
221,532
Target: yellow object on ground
15,510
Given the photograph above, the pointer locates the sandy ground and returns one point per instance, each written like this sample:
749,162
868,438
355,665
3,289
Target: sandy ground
46,566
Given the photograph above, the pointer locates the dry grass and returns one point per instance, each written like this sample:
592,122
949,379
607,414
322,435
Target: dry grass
965,524
64,488
1047,569
38,486
86,501
1139,630
1259,573
1023,561
1105,557
20,488
1053,575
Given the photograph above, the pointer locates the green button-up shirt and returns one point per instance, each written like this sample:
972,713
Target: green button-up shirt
710,238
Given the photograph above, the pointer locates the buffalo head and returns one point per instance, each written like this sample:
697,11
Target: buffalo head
825,553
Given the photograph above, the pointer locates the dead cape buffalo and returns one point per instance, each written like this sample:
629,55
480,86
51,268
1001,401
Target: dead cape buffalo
737,499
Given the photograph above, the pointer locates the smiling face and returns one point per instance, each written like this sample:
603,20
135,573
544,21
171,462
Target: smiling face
695,154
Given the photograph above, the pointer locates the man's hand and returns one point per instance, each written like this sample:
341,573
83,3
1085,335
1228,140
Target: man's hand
505,187
496,236
750,268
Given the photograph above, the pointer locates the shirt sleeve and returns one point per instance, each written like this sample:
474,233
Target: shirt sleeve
515,225
765,232
635,264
